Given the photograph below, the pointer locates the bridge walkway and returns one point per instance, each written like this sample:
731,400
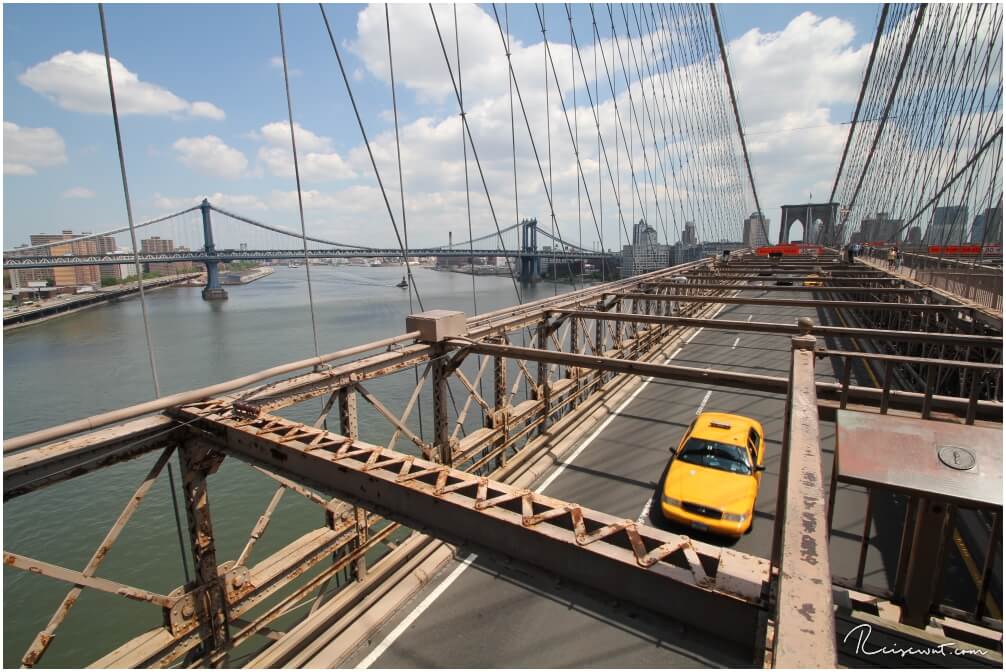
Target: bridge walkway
481,613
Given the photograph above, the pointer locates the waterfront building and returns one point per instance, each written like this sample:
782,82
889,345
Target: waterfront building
64,276
756,230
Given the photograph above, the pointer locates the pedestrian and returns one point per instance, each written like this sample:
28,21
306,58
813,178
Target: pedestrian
892,258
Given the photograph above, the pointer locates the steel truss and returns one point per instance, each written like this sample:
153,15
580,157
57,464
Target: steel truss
585,344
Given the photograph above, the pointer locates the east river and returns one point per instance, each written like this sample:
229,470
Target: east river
96,360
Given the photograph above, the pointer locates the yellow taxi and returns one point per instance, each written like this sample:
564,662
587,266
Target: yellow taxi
812,280
713,479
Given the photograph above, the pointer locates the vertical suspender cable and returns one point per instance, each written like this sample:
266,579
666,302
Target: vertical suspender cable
401,192
296,173
737,116
366,142
468,193
464,149
129,206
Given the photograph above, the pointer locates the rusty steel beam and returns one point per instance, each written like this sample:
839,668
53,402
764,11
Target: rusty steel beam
803,609
825,289
967,340
197,463
28,471
922,361
42,640
803,303
900,399
714,589
157,405
76,578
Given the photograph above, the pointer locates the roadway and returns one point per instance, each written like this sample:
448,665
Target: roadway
483,612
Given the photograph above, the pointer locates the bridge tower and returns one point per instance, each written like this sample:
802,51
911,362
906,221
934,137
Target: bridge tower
530,262
808,213
213,291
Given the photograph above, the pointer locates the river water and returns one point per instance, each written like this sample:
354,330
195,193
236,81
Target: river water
96,360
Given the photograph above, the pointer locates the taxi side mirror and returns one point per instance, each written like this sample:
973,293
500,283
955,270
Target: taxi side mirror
759,467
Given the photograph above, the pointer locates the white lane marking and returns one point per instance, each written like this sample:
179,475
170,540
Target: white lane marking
749,317
703,404
694,335
416,613
386,643
565,463
645,512
736,341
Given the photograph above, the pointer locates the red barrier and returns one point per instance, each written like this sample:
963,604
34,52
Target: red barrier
957,249
789,250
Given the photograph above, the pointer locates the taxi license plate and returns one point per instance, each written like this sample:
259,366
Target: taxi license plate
700,527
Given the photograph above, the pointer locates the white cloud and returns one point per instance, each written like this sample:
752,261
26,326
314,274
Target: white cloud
212,156
78,81
208,110
276,63
78,192
239,202
314,152
28,149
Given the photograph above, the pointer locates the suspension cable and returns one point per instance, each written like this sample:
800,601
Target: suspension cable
129,205
296,173
401,192
370,152
737,115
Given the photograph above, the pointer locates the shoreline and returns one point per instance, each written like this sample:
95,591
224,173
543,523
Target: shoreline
46,313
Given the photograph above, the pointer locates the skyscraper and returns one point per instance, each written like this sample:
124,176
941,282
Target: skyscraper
689,236
645,254
881,228
949,226
756,230
994,235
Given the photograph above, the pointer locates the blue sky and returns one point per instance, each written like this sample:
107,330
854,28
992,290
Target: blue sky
224,55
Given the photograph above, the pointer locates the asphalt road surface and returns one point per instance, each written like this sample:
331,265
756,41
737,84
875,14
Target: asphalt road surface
482,612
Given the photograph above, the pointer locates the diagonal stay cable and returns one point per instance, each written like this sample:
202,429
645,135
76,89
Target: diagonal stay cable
569,127
296,173
862,93
534,146
129,205
370,152
475,154
737,115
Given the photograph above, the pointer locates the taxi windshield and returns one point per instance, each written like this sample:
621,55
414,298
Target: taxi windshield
716,455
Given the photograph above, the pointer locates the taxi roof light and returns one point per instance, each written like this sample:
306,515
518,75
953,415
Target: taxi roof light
719,424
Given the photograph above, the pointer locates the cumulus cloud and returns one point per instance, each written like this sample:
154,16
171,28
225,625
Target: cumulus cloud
276,63
211,156
239,202
791,79
318,162
28,149
78,81
78,192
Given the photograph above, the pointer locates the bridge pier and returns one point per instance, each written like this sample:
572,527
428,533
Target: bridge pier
213,291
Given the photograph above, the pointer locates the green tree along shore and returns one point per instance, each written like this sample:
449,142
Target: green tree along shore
108,282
